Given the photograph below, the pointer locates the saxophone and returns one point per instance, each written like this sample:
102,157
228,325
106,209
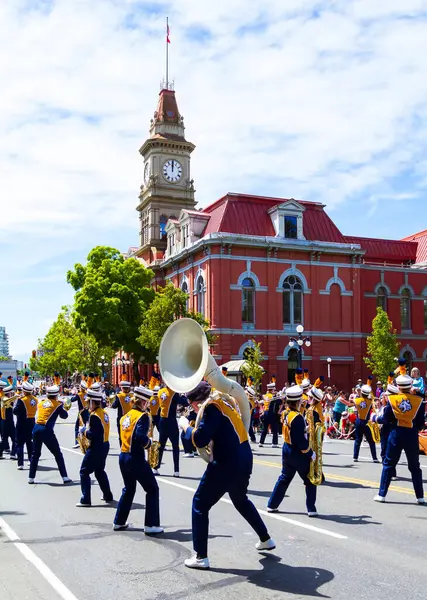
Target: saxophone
153,451
374,428
315,435
82,440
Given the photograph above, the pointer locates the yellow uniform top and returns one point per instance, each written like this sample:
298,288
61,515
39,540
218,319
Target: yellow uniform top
45,409
165,398
128,425
126,402
405,408
30,403
363,406
154,406
102,415
287,421
267,399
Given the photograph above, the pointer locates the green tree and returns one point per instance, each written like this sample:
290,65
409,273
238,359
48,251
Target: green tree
382,346
169,304
66,349
5,358
112,296
252,367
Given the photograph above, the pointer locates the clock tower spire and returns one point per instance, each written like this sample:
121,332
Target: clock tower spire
167,187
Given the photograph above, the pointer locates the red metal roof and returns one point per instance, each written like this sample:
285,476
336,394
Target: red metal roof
248,215
421,239
385,250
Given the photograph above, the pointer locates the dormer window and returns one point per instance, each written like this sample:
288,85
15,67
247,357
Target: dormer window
287,219
291,227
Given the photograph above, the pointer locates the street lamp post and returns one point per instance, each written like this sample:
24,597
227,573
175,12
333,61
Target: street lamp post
329,360
299,341
103,364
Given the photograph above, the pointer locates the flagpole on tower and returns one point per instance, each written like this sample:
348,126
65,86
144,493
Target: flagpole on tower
167,53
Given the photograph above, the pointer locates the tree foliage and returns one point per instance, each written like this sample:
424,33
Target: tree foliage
112,296
169,304
5,358
66,349
382,346
252,365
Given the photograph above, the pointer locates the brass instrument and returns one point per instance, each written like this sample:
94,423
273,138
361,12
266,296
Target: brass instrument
315,435
82,440
67,404
9,402
184,360
154,450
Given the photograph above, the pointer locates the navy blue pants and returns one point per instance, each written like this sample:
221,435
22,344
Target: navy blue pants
293,462
84,414
362,429
251,428
187,444
8,433
217,480
402,438
136,469
384,435
45,435
168,429
270,420
24,437
94,462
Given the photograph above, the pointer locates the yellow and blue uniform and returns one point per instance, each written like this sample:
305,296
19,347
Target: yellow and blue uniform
83,408
252,405
168,426
270,419
98,433
229,471
296,458
155,411
7,431
134,467
404,413
363,407
123,403
187,444
25,411
48,410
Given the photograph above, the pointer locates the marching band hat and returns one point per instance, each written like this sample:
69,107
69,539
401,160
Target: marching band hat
404,382
52,390
294,392
3,384
123,382
250,391
156,389
391,390
27,387
367,389
271,386
142,393
200,393
305,384
94,393
316,393
19,384
96,386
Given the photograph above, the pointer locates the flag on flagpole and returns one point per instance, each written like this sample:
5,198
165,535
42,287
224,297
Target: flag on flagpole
168,34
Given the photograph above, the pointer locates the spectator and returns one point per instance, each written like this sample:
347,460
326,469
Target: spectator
340,406
418,382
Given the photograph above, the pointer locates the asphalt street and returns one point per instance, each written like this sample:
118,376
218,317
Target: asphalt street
356,548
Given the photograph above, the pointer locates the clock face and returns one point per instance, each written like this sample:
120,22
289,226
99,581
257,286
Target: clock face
172,170
146,172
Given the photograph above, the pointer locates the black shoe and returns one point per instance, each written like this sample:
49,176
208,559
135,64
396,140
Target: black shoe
108,498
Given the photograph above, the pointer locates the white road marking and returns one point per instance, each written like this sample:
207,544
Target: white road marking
338,536
73,451
43,569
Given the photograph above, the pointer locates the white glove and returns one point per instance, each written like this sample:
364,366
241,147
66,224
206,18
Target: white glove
313,456
183,423
82,430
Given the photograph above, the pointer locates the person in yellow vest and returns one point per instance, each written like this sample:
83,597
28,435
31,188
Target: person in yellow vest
154,385
25,411
135,426
97,431
363,405
7,423
82,404
404,413
123,402
48,410
168,426
270,415
296,455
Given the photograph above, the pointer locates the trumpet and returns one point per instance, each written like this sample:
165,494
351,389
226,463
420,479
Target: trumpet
9,402
67,404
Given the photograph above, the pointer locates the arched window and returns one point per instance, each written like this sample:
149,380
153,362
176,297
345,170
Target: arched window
292,364
408,359
405,309
200,291
162,223
248,301
184,288
292,301
382,298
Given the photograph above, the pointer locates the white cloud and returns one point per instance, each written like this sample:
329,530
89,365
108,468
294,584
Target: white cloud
317,100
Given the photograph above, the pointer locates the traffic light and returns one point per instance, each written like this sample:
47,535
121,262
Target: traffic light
34,353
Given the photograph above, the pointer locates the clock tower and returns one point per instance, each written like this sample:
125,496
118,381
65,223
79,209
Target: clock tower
167,185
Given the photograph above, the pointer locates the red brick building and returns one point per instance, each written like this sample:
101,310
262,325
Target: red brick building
257,267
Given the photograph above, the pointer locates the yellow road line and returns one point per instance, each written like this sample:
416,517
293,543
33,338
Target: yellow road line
364,482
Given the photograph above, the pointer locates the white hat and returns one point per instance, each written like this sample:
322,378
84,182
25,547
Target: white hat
250,391
3,384
95,393
19,384
271,386
305,383
52,390
124,383
294,392
83,384
404,381
366,389
27,387
96,386
391,390
143,393
316,394
156,388
8,388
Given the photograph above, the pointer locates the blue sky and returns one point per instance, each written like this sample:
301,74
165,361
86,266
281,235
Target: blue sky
323,101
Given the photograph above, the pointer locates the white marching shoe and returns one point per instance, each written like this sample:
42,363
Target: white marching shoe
31,480
117,527
66,480
272,510
176,474
20,467
312,513
156,472
197,563
153,530
188,455
421,501
267,545
379,498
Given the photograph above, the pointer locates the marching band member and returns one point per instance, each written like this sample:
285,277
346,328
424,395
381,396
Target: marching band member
97,431
168,426
229,471
134,467
305,386
271,406
404,413
123,402
25,411
315,399
296,455
363,405
48,410
251,394
155,407
83,412
385,427
7,422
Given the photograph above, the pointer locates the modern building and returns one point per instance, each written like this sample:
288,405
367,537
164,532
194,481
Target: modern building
257,267
4,342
